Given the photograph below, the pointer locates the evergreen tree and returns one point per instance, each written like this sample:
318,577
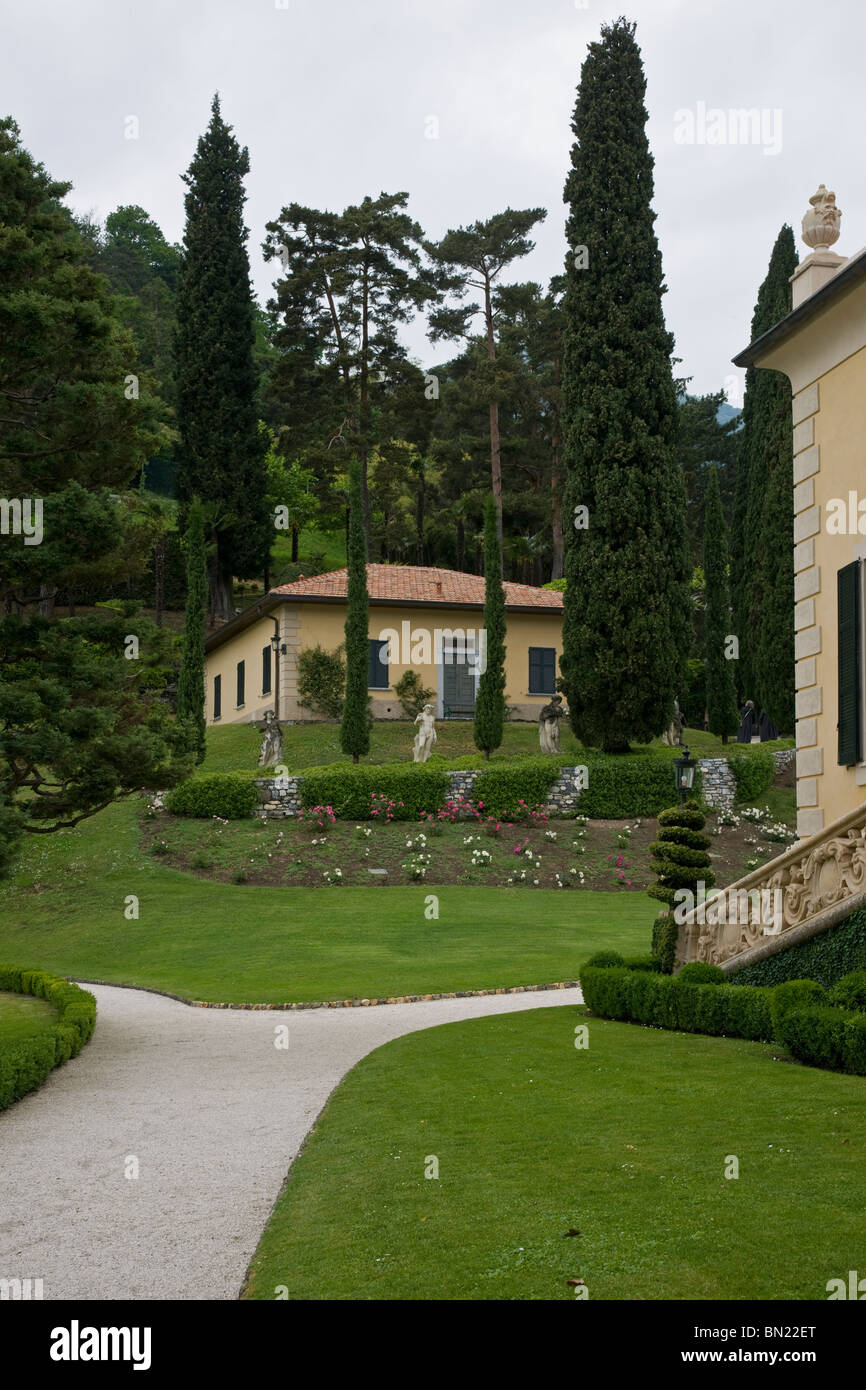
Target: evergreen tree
475,257
221,449
81,719
190,685
490,700
762,571
355,728
627,608
720,687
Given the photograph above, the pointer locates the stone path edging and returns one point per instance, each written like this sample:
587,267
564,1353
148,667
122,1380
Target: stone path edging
338,1003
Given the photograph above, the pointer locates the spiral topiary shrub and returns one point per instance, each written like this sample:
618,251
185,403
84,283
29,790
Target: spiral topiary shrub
679,856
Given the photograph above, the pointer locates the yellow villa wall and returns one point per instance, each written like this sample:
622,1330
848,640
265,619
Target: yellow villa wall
304,625
247,647
826,363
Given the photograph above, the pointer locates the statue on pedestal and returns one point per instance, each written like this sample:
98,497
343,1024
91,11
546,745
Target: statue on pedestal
272,741
422,746
673,734
548,724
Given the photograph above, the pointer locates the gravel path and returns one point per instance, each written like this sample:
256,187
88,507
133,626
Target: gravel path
214,1114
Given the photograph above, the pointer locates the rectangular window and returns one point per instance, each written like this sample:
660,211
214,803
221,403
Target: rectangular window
377,669
848,614
241,678
217,697
542,670
266,670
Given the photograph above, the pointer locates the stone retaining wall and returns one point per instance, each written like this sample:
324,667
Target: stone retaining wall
281,796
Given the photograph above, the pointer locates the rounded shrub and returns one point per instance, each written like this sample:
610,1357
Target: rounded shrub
701,972
850,991
793,994
605,960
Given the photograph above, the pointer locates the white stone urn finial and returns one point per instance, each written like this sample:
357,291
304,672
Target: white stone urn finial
821,222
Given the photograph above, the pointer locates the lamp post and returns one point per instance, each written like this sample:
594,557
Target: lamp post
684,771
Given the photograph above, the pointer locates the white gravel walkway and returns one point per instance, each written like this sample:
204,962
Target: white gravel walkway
214,1114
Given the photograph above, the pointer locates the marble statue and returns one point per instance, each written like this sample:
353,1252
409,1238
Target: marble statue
548,724
272,740
673,734
422,746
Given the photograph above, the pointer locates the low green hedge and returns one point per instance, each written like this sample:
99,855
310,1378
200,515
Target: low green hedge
630,785
825,957
753,773
664,1001
530,780
349,788
25,1063
229,795
823,1036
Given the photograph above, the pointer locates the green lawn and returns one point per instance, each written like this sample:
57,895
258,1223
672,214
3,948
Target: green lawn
235,747
625,1142
64,911
21,1016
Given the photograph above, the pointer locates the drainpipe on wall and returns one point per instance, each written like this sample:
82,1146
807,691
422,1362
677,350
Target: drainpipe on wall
275,645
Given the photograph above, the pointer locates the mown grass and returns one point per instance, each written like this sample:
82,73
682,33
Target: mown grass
626,1143
235,747
65,910
21,1016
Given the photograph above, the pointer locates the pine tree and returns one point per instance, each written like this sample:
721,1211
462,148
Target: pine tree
81,722
190,685
490,701
221,449
720,688
355,728
627,609
762,571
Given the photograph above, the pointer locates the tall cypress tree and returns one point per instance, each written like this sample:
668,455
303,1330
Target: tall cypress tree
721,693
627,610
762,567
190,685
490,701
221,450
355,728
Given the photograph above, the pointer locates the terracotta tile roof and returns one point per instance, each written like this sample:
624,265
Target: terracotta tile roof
420,584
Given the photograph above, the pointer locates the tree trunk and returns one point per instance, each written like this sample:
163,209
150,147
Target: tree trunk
294,541
159,579
220,593
419,523
47,596
461,544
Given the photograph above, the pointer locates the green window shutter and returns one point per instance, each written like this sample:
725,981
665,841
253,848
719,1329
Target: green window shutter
241,683
848,599
542,670
266,670
217,697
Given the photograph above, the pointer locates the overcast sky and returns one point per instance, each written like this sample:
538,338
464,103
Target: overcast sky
334,101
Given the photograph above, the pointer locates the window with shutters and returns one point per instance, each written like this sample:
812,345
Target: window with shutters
377,670
266,670
241,682
542,670
217,697
848,585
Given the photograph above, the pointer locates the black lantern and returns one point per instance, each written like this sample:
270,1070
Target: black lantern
684,771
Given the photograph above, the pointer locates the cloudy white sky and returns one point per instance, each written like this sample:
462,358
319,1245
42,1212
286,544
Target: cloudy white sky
334,100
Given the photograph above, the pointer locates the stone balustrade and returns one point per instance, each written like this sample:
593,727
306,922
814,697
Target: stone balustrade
816,883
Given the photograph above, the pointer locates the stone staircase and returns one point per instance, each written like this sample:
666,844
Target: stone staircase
812,886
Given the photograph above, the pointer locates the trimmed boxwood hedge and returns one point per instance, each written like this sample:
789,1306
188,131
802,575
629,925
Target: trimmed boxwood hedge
629,785
227,794
25,1063
664,1001
349,787
528,779
822,1036
825,958
753,773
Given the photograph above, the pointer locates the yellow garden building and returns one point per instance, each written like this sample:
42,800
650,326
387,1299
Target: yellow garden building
426,620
